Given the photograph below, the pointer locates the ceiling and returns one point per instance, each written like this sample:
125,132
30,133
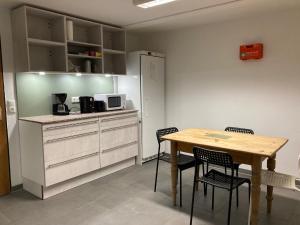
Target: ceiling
181,13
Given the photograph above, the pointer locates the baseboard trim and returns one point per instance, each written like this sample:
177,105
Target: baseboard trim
16,188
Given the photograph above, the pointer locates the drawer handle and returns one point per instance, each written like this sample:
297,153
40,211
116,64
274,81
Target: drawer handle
71,125
118,118
72,160
118,128
120,146
71,137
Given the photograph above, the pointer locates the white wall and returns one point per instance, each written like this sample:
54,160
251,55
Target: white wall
208,86
9,86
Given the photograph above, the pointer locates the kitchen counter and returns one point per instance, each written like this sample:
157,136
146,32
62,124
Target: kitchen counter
50,119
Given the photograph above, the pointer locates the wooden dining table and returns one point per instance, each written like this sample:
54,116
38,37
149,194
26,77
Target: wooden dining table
244,149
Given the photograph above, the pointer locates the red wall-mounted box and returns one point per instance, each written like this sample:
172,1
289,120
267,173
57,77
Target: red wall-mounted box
254,51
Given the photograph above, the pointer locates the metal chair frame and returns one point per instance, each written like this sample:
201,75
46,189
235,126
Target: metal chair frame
216,178
166,157
237,165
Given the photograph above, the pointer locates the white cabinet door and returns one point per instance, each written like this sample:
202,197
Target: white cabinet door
117,121
153,101
118,136
58,150
118,154
69,169
70,149
69,128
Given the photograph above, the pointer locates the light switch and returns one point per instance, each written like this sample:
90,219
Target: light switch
75,99
11,106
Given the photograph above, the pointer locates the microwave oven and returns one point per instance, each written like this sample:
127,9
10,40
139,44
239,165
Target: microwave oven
112,101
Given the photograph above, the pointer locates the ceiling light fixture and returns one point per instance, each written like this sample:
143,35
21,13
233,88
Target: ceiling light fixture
150,3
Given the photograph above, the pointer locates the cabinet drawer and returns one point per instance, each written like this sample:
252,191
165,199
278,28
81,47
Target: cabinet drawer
62,149
70,128
118,154
59,172
118,136
116,121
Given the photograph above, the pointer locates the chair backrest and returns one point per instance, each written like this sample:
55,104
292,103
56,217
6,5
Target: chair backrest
239,130
213,157
163,132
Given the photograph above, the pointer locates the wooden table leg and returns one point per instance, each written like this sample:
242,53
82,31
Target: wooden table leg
271,164
255,190
174,170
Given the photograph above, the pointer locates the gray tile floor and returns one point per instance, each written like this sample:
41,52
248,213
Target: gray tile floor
127,197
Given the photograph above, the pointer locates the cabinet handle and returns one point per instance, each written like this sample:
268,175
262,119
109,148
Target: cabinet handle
118,118
72,160
118,128
71,125
71,137
120,146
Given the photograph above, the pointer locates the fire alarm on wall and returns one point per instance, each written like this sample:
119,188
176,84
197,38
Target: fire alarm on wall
253,51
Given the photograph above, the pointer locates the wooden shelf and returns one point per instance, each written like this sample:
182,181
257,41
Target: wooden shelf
35,41
83,56
42,44
84,44
111,51
114,63
113,38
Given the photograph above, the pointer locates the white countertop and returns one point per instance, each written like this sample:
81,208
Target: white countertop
48,119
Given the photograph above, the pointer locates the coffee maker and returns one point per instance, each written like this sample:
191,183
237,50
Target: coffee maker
86,104
59,107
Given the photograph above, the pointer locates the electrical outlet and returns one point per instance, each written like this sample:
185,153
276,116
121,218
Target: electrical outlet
75,99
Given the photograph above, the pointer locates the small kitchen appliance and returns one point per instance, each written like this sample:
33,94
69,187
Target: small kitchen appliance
99,106
86,104
59,107
112,101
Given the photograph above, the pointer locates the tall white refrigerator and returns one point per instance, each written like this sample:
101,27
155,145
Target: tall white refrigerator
144,87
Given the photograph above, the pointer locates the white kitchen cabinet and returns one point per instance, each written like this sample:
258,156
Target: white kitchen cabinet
66,170
59,148
118,138
117,154
60,155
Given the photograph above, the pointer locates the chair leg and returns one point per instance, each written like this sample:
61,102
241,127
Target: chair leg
197,184
180,178
193,198
204,185
157,164
249,191
229,209
213,198
237,189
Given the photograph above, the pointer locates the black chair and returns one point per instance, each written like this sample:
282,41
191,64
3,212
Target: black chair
183,161
216,178
237,165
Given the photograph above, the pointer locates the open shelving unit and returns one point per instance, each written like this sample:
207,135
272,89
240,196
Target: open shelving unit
44,25
114,50
46,57
42,43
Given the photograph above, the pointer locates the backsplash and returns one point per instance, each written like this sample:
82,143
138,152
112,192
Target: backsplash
34,92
